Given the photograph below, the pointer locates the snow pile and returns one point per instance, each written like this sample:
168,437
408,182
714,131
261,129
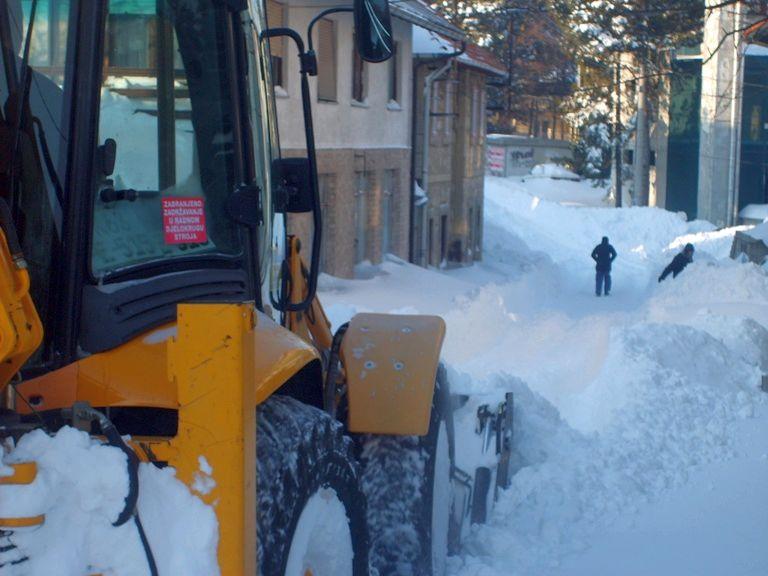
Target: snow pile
81,487
554,171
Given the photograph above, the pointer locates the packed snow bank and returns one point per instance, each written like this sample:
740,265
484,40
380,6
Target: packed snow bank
81,487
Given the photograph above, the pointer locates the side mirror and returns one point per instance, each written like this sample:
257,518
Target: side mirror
106,156
373,30
294,193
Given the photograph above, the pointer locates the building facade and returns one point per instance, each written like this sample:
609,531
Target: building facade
449,148
362,117
711,137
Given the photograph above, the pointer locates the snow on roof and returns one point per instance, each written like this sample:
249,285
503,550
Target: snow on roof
429,44
420,14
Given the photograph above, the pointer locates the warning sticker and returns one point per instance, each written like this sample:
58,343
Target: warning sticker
184,221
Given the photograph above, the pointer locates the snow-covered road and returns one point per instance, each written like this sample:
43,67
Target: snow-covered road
641,435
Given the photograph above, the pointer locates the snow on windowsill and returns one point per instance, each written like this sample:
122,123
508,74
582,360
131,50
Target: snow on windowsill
754,212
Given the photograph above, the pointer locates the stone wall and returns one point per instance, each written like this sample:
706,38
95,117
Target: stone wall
344,175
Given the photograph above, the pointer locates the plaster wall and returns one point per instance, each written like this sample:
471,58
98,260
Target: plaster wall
374,123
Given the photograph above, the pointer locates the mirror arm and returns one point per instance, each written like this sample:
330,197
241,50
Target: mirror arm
320,16
308,65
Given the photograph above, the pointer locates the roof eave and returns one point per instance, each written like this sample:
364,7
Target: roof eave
471,63
445,28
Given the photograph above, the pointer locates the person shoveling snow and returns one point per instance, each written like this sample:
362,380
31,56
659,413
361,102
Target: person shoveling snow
678,263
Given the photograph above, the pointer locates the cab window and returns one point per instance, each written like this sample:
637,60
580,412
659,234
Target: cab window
166,103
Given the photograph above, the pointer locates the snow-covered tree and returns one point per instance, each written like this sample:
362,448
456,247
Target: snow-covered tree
604,30
592,152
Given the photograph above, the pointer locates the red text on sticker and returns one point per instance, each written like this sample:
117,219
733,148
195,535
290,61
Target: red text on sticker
184,221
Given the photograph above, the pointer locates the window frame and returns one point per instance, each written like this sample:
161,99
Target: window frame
359,75
323,65
393,76
278,62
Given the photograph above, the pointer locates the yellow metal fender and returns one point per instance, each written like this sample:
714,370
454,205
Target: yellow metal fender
391,364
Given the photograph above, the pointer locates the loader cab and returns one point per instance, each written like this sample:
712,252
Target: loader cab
141,168
139,176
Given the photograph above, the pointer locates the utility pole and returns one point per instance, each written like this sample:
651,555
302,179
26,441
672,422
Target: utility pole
510,60
617,132
642,146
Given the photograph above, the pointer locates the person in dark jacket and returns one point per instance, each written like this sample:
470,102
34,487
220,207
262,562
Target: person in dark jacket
678,263
603,255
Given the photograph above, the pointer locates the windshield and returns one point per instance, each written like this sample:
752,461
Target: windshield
166,101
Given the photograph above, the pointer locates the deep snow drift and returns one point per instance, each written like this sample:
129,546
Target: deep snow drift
641,432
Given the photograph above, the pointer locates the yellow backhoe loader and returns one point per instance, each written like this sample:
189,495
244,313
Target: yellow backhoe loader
149,289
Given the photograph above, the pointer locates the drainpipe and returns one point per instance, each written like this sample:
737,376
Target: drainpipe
734,153
412,252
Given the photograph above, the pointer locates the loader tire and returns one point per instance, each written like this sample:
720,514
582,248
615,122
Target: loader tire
311,511
407,484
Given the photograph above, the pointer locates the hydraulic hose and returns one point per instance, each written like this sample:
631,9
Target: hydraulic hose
86,412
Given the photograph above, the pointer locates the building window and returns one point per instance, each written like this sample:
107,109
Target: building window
359,91
437,86
471,228
394,79
276,19
326,183
443,237
129,38
430,241
388,185
361,216
478,229
447,120
478,112
326,60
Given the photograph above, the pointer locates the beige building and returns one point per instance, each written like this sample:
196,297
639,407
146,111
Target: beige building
362,116
449,147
